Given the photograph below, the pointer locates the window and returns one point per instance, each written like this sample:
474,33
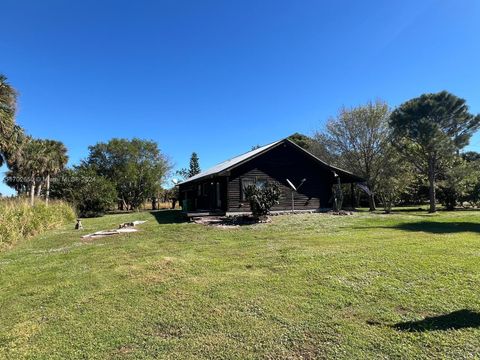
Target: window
199,190
261,183
245,182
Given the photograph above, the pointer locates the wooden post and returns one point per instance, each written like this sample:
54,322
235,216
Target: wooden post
227,198
352,195
293,201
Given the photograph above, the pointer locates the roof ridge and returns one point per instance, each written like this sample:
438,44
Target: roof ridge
249,151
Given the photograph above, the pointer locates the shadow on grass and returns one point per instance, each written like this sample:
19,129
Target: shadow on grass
460,319
440,227
433,227
169,216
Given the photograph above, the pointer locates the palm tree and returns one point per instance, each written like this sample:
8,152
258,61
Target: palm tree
8,101
26,164
34,163
56,160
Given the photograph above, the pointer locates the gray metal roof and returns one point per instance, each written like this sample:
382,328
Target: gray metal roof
230,163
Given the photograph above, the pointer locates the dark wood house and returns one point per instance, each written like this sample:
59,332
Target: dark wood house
220,188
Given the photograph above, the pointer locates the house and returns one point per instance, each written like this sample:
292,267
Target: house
220,189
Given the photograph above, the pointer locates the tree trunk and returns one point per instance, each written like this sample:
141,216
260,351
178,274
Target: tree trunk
47,192
32,191
388,205
39,190
122,205
358,194
431,180
371,202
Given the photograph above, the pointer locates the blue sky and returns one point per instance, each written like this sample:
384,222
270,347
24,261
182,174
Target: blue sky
218,77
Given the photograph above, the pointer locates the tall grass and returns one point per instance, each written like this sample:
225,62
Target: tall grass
19,220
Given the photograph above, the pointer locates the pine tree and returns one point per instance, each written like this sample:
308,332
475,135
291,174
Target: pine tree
194,165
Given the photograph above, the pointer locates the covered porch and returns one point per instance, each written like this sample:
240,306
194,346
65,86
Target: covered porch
205,197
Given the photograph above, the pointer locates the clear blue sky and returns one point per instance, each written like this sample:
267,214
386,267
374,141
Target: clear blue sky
218,77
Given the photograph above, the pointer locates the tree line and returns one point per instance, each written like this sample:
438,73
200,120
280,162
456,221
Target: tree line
406,154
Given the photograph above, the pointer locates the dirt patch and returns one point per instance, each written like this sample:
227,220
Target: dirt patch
227,222
124,350
123,228
341,212
168,331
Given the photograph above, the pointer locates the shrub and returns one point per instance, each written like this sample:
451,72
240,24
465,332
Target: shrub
393,180
457,184
19,220
262,199
91,194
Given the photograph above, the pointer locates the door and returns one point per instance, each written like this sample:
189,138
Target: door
215,195
218,196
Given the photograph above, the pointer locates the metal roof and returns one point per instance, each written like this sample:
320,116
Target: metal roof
230,163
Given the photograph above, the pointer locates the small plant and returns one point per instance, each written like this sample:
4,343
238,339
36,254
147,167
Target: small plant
262,199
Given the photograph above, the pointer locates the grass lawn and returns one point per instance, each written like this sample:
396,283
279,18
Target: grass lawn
405,285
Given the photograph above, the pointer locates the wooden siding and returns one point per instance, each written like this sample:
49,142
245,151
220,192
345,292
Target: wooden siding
278,165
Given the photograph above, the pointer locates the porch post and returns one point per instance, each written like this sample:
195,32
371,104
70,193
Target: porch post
227,202
352,195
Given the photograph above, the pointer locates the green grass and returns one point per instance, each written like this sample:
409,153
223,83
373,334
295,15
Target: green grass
405,285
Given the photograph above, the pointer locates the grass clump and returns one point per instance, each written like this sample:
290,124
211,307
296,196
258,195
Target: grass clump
19,220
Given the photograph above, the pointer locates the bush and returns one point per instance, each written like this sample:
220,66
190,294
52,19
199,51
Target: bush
262,199
91,194
457,184
19,220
